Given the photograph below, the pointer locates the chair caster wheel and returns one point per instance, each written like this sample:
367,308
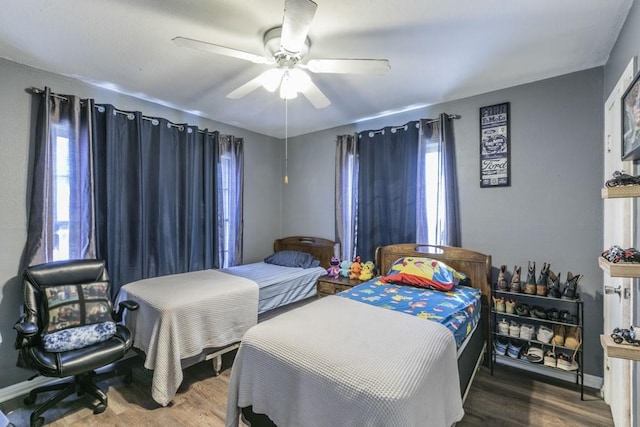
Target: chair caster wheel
100,408
38,422
29,400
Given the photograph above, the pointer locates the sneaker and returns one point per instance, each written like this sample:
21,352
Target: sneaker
530,283
570,290
530,288
544,334
567,317
550,359
514,348
500,344
541,289
498,304
553,314
572,337
553,285
558,335
503,327
522,310
514,329
515,281
526,332
538,312
566,362
510,306
502,284
534,354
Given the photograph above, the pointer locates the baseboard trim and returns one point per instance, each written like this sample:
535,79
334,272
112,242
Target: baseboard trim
590,381
23,388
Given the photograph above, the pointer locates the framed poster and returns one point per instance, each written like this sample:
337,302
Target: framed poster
495,159
631,120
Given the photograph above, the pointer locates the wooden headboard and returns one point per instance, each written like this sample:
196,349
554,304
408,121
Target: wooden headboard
323,249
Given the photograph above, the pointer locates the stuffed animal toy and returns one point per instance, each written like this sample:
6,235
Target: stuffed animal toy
334,268
367,271
356,268
345,267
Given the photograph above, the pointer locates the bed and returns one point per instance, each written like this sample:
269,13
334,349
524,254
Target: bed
186,318
338,361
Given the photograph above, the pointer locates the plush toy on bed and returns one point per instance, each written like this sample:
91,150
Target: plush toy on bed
367,271
334,268
345,268
356,268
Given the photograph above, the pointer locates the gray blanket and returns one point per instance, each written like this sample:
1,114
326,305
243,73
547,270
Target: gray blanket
338,362
183,314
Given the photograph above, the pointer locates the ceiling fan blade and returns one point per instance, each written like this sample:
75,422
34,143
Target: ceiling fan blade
247,88
221,50
298,15
349,66
315,95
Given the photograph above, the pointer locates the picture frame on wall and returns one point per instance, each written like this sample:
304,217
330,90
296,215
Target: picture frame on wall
495,139
631,120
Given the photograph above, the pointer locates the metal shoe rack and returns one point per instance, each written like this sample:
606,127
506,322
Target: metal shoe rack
575,307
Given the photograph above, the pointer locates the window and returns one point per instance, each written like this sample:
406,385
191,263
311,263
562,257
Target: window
226,171
61,195
434,199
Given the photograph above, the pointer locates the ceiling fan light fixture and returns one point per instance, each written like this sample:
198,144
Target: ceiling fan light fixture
271,79
288,88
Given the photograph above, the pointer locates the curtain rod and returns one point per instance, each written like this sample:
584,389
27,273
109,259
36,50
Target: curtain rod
100,108
395,128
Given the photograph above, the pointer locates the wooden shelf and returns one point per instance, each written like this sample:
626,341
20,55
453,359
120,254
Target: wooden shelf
620,269
619,192
619,351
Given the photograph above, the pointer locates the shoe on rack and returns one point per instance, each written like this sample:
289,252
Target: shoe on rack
500,345
515,281
530,283
514,329
553,314
502,284
567,317
553,282
510,306
571,288
527,331
543,279
498,304
572,338
558,335
538,312
522,310
544,334
503,327
534,354
566,362
514,348
550,359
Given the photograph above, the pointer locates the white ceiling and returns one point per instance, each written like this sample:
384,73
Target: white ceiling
439,50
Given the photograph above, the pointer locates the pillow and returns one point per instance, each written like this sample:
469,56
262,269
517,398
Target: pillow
71,306
423,273
82,336
292,259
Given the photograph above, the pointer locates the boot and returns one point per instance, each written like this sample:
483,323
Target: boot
541,287
571,288
530,283
515,280
554,285
502,279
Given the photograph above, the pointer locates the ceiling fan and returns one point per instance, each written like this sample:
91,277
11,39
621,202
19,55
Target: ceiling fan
285,47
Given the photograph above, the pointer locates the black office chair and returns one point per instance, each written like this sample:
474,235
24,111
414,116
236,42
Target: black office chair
69,328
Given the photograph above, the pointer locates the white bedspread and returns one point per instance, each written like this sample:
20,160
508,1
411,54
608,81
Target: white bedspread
338,362
181,315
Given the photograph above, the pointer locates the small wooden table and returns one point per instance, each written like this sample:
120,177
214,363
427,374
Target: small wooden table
328,285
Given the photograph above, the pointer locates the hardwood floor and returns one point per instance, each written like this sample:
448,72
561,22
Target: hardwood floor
509,398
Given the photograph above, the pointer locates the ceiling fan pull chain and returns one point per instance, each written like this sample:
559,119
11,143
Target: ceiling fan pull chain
286,139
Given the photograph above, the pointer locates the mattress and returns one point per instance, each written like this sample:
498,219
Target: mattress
279,285
458,309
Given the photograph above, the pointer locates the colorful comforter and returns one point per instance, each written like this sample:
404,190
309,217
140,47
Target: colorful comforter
458,309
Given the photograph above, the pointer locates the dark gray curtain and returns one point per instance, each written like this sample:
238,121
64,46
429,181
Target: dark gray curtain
155,196
65,120
387,188
450,226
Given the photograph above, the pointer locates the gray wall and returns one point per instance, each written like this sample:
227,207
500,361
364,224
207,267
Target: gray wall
552,212
262,194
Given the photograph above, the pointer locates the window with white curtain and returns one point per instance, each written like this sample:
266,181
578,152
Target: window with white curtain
61,194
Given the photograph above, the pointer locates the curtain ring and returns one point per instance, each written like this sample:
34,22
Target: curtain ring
189,130
100,109
131,116
155,122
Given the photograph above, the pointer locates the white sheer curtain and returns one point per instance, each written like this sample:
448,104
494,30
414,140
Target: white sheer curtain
346,194
230,207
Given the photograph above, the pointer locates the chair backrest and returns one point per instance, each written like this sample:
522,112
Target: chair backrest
64,294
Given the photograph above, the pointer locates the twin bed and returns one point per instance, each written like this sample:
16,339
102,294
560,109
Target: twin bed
345,361
186,318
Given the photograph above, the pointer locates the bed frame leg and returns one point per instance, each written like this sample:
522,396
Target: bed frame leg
216,358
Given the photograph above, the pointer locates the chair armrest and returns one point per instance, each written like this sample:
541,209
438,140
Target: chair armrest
26,329
122,306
